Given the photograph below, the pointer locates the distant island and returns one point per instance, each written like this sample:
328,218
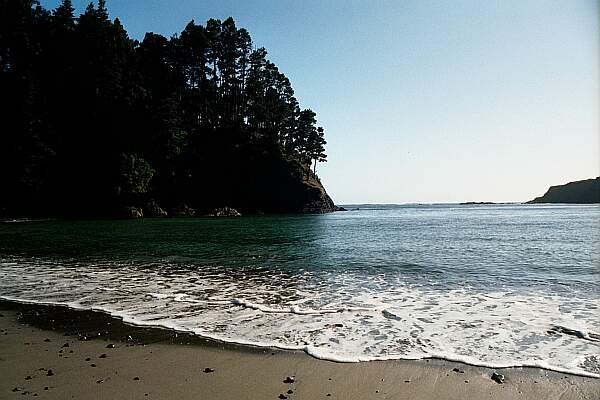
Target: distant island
579,192
96,123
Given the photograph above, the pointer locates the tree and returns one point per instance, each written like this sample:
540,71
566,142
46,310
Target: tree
316,147
63,15
136,174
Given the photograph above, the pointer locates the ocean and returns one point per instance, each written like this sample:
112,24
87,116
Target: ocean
490,285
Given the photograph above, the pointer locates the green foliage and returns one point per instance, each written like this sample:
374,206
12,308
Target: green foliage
136,174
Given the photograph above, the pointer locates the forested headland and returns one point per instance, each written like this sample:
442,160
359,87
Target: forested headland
94,121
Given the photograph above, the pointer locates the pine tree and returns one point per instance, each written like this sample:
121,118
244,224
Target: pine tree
63,15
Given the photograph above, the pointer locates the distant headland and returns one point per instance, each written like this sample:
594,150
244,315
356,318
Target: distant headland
579,192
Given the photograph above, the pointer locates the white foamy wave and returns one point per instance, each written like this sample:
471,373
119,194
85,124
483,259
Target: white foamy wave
359,318
298,310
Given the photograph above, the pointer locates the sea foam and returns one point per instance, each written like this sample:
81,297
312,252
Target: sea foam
359,318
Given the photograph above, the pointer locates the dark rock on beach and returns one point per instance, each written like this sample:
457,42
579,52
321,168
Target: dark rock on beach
208,370
498,378
289,379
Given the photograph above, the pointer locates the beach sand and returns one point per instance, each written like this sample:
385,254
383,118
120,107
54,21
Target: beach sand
56,353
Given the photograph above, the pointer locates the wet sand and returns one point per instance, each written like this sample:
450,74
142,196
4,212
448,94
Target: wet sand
56,353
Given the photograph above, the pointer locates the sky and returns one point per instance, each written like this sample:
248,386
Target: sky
426,101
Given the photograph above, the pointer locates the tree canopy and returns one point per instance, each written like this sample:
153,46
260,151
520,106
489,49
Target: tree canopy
91,116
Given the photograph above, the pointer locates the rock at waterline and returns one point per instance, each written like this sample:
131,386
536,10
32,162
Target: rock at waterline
152,209
224,212
183,211
131,212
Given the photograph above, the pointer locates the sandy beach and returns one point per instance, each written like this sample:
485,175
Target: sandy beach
56,353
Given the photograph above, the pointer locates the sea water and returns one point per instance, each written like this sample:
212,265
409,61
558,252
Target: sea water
489,285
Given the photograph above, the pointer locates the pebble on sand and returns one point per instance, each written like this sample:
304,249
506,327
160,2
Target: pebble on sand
289,379
136,378
208,370
103,355
110,346
498,378
50,373
282,396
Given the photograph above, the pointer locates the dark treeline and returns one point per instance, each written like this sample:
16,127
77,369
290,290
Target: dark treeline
92,119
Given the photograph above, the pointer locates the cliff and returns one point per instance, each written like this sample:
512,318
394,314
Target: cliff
252,183
579,192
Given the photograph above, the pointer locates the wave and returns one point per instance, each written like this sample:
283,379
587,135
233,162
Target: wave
298,310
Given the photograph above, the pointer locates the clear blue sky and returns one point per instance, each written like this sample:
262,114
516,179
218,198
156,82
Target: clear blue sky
426,101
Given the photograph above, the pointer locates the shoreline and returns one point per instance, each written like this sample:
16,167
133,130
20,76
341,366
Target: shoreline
32,336
196,338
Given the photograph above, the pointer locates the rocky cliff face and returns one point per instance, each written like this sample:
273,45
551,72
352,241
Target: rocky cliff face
579,192
280,185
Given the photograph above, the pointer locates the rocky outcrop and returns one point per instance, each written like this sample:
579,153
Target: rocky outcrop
152,209
578,192
224,212
282,185
131,212
182,211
